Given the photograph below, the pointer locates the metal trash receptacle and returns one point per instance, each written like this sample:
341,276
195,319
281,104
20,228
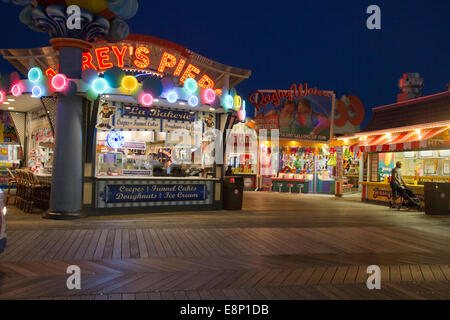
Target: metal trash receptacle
437,198
233,192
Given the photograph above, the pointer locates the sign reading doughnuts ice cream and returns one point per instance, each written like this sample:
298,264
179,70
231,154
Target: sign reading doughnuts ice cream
302,112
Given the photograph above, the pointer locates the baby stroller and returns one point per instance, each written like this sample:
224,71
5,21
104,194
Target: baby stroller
410,200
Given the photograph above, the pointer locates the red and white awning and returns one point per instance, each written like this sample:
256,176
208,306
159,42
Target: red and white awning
397,141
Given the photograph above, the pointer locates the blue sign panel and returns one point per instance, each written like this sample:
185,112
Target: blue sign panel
154,192
134,111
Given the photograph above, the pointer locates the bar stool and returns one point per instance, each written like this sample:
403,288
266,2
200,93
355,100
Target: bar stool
290,185
300,187
279,185
270,186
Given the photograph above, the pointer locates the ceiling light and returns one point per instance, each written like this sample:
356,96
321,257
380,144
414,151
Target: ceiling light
10,108
5,102
12,100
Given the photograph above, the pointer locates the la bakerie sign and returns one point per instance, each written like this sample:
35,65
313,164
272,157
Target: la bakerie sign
141,57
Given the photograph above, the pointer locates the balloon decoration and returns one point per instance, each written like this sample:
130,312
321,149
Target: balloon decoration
114,77
99,18
153,86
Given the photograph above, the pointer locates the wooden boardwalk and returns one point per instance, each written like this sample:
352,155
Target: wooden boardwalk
278,247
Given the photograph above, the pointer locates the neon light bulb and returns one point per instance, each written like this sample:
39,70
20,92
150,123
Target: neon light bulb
100,85
36,92
193,101
129,83
228,102
237,102
35,74
17,90
59,82
172,97
147,100
2,96
209,95
190,85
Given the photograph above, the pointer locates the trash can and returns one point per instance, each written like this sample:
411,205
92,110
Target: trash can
233,192
437,198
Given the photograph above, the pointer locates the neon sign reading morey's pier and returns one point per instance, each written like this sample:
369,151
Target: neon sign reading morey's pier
141,57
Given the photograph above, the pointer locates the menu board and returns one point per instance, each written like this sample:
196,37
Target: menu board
446,168
374,168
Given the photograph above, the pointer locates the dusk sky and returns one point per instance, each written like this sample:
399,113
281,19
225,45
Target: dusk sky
324,43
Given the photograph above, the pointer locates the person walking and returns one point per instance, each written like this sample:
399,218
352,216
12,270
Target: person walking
397,183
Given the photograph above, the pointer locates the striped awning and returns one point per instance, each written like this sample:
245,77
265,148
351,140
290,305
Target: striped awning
399,141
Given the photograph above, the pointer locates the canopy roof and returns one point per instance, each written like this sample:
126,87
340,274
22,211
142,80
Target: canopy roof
45,57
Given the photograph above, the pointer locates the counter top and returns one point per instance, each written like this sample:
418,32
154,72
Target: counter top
387,185
154,178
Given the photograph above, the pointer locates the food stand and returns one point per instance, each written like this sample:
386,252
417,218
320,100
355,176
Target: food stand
422,147
153,116
294,127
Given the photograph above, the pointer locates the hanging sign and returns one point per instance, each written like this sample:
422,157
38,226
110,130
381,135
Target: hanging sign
146,193
135,111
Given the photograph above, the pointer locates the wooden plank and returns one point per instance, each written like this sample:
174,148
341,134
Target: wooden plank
117,248
405,273
316,276
92,245
125,244
350,277
427,273
98,253
84,245
328,275
70,254
151,248
416,273
143,251
446,271
339,276
171,242
134,246
158,244
395,273
304,277
437,273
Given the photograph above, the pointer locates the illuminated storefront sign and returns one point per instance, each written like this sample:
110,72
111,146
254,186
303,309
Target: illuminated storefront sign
158,113
142,57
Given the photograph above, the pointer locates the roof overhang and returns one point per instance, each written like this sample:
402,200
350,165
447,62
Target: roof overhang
47,57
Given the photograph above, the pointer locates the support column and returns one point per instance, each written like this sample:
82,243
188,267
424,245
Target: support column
66,193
